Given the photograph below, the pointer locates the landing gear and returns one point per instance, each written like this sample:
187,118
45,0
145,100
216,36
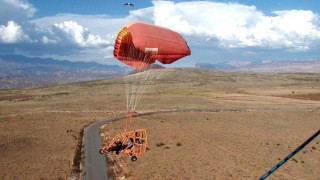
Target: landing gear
134,158
101,151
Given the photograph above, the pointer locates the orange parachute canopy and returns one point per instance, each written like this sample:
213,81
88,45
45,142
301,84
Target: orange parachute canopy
140,44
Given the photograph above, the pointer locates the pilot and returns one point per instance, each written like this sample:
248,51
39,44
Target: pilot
117,146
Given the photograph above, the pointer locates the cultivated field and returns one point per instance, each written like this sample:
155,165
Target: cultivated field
275,113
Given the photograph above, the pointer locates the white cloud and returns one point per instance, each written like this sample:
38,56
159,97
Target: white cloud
97,29
80,35
12,33
102,25
218,29
46,40
108,52
144,14
15,10
226,25
236,26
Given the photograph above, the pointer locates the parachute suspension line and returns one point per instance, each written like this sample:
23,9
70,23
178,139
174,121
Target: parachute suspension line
127,89
149,80
127,96
142,86
129,113
130,88
129,117
135,84
124,49
159,75
134,93
130,81
139,84
145,84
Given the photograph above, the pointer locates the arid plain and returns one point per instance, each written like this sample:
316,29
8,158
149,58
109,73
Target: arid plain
262,117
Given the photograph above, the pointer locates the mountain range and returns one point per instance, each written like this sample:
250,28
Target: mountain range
20,71
284,66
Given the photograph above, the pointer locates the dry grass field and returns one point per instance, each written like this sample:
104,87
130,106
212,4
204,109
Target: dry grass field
222,145
39,126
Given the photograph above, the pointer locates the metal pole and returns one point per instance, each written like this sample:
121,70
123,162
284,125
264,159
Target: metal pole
289,156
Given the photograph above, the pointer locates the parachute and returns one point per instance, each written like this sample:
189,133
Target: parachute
140,44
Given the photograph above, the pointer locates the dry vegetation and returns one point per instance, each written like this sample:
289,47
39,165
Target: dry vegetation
222,145
39,126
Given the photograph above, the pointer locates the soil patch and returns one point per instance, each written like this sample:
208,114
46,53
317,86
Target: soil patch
15,97
221,145
309,96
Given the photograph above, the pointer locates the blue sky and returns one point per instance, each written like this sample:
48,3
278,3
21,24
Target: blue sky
216,31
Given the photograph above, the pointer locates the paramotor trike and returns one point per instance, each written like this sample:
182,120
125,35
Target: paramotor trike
132,143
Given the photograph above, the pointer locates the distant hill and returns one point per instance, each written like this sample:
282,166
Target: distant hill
287,66
152,66
20,71
219,66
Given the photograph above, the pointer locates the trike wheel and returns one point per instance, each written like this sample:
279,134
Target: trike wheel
101,151
134,158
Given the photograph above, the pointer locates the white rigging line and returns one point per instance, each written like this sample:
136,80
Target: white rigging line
142,84
137,84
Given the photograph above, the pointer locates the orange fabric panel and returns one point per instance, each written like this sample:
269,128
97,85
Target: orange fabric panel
139,44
